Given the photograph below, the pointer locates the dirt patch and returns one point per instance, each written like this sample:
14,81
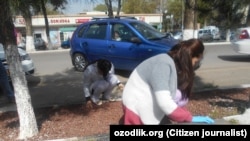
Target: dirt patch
86,120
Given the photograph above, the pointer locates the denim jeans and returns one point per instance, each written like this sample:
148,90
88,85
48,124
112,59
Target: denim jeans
4,82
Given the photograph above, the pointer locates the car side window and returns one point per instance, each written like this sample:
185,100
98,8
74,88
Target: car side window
96,31
116,31
81,31
125,33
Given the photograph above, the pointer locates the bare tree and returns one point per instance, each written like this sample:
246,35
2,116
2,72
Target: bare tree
56,4
108,3
46,23
27,120
119,5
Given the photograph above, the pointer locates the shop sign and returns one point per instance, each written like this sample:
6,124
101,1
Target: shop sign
20,21
55,21
81,20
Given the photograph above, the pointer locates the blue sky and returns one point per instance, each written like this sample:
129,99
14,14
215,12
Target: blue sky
78,6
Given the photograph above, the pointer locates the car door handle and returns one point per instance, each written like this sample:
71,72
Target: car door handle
112,46
84,44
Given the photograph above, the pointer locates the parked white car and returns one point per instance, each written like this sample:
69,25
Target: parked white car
214,31
27,62
205,35
241,41
178,36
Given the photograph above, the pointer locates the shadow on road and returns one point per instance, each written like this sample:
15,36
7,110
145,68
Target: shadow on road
65,87
57,89
235,58
200,85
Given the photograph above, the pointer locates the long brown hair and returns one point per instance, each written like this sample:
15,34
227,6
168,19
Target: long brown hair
182,54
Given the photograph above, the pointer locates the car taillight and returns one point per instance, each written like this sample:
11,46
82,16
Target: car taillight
244,34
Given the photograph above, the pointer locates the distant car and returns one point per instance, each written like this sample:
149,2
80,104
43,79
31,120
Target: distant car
214,31
241,40
27,62
65,44
205,35
169,35
40,44
93,40
216,36
178,36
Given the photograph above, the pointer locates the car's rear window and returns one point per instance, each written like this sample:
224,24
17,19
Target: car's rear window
96,31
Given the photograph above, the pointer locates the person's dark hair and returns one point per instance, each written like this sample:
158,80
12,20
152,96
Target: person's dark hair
182,54
104,66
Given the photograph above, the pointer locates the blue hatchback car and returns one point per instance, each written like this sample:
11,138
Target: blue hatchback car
124,41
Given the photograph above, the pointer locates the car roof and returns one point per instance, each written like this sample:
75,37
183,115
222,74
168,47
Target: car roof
124,19
112,18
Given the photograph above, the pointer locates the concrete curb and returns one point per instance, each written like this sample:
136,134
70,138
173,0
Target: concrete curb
102,137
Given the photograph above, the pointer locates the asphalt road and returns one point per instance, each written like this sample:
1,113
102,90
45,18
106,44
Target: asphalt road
221,67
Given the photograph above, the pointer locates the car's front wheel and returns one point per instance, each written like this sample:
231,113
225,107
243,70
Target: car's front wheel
79,62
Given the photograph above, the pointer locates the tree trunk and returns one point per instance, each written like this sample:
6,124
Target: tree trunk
189,17
119,7
29,29
109,6
27,120
46,24
248,16
29,34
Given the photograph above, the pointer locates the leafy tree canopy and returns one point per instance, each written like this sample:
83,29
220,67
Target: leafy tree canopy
139,6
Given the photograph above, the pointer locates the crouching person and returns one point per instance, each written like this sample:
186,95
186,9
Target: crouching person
99,81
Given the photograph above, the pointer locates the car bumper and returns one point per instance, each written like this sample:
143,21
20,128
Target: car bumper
241,46
28,66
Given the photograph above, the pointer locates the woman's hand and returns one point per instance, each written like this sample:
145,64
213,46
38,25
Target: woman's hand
120,86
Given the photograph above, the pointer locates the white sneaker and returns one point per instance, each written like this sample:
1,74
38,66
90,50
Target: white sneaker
109,100
98,103
112,99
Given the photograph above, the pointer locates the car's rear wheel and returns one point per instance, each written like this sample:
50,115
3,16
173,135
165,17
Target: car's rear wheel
79,62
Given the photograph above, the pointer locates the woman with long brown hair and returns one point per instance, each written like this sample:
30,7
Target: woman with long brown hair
151,90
